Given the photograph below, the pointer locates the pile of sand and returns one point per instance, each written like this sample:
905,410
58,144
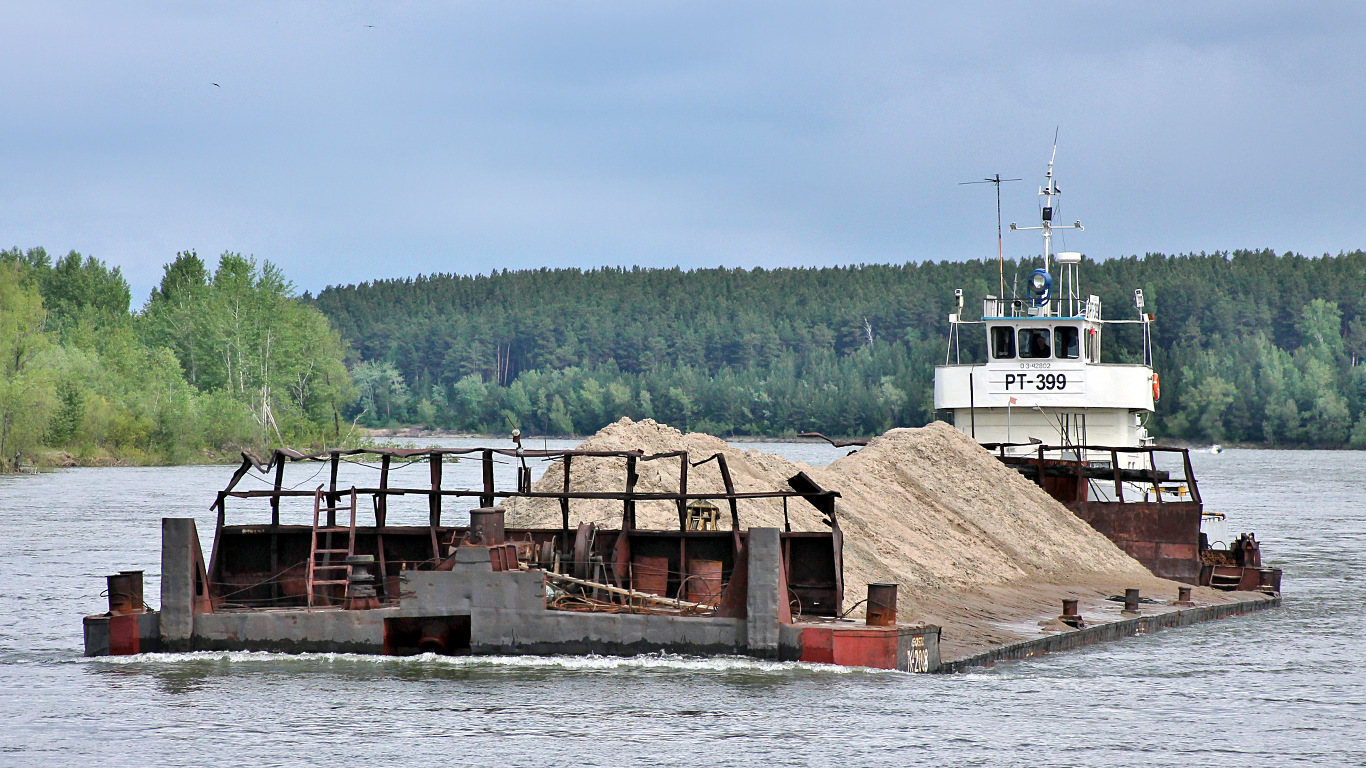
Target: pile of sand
976,547
927,508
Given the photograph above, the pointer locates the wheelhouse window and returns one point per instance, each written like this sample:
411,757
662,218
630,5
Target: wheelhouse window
1035,343
1093,345
1002,342
1066,342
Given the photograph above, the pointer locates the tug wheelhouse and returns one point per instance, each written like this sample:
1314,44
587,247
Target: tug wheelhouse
1044,401
1042,382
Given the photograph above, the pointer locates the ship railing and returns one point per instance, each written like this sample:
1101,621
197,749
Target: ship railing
1159,482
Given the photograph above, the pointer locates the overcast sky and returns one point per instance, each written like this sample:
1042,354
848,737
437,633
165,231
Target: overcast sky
349,142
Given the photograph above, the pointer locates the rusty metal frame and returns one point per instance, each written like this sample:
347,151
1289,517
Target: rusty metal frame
488,495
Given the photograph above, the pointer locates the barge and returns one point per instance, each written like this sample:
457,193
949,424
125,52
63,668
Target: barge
349,579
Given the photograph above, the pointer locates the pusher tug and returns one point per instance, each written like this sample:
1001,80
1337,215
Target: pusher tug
1045,402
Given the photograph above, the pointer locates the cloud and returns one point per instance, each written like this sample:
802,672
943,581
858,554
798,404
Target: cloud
469,137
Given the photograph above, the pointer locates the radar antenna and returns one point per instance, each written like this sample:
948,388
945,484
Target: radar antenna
1000,242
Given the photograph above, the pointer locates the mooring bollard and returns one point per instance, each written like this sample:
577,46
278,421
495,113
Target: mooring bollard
881,605
486,527
135,588
360,585
1131,601
1267,581
120,595
1070,615
1183,597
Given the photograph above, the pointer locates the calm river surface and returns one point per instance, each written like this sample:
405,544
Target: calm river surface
1284,687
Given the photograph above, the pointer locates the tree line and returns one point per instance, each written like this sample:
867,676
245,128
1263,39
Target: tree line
1251,346
213,362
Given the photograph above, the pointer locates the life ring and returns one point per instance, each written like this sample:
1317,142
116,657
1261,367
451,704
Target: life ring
1157,388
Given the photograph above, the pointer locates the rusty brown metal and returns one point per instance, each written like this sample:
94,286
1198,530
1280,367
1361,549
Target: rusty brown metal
486,500
1269,580
1164,537
1183,597
486,528
435,637
1071,616
812,560
125,592
650,574
704,582
1131,598
628,506
881,609
583,550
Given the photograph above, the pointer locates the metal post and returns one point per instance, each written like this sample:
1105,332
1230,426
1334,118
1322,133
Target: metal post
972,406
1190,475
275,500
275,526
730,492
629,505
683,494
332,497
1152,469
487,499
434,502
1119,484
566,542
382,498
1081,485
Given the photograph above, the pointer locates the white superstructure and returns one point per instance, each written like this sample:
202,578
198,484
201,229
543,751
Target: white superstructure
1043,380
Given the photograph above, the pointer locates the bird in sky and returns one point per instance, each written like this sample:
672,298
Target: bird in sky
216,85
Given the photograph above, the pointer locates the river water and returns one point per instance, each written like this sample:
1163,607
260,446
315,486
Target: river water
1283,687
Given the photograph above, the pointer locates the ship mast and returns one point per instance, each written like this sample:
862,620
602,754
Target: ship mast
1048,192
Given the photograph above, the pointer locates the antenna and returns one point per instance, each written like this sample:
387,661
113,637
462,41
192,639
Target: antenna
1048,192
1000,242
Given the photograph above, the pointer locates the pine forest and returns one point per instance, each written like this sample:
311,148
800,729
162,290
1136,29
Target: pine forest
1252,347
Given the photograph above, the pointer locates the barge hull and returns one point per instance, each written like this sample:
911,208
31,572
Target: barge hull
473,609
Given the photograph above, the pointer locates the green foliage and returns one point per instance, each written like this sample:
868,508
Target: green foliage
215,362
241,331
27,391
1252,346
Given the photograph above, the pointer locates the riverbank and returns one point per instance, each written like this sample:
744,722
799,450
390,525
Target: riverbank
48,460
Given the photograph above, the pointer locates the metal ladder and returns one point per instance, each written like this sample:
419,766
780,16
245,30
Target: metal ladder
328,565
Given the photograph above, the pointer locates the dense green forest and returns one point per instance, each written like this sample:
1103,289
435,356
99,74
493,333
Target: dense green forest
1252,346
213,362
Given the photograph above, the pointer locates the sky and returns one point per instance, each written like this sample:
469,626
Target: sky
349,142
